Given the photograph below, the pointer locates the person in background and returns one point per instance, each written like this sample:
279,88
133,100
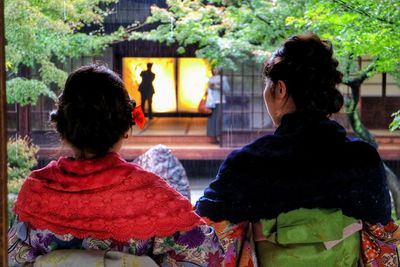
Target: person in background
146,89
295,197
96,200
217,85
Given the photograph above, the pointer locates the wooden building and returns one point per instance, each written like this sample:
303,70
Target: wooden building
244,115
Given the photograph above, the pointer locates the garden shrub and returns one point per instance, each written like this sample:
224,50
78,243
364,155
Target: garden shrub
21,159
21,155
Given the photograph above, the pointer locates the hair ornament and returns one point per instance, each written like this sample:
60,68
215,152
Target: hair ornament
138,116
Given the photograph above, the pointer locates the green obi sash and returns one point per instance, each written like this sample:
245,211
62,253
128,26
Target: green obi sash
303,237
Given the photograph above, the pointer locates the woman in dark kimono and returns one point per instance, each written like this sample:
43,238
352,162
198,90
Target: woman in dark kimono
298,186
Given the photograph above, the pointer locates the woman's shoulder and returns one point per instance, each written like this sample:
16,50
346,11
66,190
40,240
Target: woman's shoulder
361,151
256,155
264,146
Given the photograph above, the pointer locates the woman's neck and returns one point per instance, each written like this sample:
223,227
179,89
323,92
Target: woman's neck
85,154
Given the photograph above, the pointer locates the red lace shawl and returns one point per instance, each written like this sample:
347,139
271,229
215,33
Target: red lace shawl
106,198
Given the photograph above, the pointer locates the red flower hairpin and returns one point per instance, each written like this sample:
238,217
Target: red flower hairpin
138,116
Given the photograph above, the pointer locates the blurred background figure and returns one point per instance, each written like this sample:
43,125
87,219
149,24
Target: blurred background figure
217,84
146,89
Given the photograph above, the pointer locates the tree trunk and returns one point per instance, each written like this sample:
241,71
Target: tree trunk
394,187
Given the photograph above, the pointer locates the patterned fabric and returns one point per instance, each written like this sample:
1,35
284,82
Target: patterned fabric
92,258
161,161
274,245
379,245
92,198
107,204
198,247
236,239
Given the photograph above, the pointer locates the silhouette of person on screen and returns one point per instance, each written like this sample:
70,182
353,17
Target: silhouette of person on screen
146,89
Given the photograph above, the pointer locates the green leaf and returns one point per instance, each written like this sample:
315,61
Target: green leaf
24,91
41,33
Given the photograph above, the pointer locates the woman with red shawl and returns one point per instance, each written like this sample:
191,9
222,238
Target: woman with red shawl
96,200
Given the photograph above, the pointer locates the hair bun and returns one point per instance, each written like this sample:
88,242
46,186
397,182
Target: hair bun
306,65
94,111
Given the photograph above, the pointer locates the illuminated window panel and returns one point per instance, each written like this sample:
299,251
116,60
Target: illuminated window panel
164,98
193,77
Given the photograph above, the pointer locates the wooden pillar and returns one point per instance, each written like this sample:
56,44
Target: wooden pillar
384,85
3,146
24,123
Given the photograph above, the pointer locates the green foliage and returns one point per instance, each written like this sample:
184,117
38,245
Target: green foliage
26,91
39,33
51,74
231,31
21,155
395,124
357,29
14,186
223,31
11,214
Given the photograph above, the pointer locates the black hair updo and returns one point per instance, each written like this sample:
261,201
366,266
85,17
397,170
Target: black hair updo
306,65
94,110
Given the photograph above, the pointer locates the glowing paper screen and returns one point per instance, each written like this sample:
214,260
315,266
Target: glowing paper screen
164,98
189,84
193,77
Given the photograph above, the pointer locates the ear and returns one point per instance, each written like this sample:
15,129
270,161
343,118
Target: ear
286,101
281,90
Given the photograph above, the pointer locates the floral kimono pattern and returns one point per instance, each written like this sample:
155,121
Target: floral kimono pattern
379,245
197,247
236,240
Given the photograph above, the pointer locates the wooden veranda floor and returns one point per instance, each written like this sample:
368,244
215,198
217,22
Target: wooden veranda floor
186,137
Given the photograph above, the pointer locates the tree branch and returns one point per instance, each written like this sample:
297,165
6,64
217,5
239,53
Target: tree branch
355,83
362,12
351,107
348,66
257,15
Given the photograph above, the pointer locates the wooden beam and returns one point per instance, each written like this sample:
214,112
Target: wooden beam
384,84
3,146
